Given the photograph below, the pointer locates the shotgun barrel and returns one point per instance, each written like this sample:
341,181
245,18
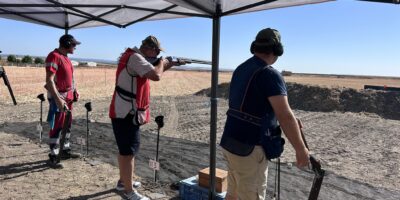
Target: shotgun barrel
188,60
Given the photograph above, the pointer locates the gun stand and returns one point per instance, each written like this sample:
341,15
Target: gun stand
277,187
40,125
88,107
160,123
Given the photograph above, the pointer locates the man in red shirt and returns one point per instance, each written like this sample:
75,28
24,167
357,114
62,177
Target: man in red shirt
61,87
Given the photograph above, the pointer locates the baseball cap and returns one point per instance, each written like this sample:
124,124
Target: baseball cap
152,42
267,36
68,39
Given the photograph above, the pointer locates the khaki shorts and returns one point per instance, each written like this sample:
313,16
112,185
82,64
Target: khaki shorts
247,175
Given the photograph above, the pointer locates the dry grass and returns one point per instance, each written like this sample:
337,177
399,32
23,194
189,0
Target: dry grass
92,83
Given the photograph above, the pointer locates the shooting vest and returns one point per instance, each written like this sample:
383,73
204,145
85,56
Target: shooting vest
249,115
138,94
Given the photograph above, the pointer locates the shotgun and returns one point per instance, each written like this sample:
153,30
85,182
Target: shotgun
187,60
7,83
316,168
155,60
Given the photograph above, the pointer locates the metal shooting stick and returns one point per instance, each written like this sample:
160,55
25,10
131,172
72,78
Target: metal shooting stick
41,98
7,83
277,188
88,107
160,123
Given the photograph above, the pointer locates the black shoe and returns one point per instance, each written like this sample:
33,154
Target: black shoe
67,154
53,162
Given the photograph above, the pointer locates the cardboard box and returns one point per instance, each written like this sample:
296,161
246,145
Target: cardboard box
221,181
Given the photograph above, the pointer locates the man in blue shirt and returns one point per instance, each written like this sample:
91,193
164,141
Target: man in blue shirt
257,101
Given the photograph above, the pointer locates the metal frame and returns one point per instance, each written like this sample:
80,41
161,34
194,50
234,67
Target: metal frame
72,9
384,1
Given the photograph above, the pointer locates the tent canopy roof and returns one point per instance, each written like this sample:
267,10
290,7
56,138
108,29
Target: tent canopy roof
72,14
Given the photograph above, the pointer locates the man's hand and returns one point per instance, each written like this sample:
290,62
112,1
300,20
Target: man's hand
61,105
302,158
180,62
76,96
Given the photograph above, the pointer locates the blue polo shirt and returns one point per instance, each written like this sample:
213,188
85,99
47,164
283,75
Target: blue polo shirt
251,85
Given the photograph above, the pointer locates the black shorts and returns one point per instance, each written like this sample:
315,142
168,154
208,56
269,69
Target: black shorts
127,135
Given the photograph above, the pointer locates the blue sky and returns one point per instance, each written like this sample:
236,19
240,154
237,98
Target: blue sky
341,37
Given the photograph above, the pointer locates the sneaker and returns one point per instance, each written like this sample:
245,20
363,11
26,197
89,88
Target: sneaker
120,185
53,162
134,196
67,154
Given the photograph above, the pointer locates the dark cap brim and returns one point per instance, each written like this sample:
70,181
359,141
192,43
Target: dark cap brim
75,42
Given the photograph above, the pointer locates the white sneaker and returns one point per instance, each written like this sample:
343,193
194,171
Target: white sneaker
120,185
134,196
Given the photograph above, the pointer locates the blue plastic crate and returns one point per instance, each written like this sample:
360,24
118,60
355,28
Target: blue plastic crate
189,189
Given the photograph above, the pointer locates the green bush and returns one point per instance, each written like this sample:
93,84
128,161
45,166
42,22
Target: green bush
27,59
39,60
11,58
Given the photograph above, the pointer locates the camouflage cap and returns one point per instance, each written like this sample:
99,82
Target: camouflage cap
152,42
267,36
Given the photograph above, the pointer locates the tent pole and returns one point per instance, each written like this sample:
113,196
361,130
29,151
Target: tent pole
214,99
66,23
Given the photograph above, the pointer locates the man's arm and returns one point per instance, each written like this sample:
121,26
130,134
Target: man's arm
51,87
288,123
161,66
156,73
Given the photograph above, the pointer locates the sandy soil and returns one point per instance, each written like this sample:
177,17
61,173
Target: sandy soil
359,150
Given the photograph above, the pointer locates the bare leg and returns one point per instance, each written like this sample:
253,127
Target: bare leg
230,197
126,170
133,170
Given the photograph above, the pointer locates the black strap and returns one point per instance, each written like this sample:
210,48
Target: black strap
244,116
124,92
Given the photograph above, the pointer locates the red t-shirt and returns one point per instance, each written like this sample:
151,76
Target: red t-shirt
61,66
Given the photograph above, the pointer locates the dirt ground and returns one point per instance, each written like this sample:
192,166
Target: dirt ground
359,150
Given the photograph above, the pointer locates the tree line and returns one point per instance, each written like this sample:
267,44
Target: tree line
25,60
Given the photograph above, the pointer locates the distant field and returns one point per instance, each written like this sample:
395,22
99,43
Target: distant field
356,82
27,82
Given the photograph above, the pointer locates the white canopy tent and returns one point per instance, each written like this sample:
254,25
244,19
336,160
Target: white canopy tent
71,14
74,14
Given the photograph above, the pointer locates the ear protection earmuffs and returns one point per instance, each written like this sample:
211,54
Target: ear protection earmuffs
66,44
276,49
67,41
